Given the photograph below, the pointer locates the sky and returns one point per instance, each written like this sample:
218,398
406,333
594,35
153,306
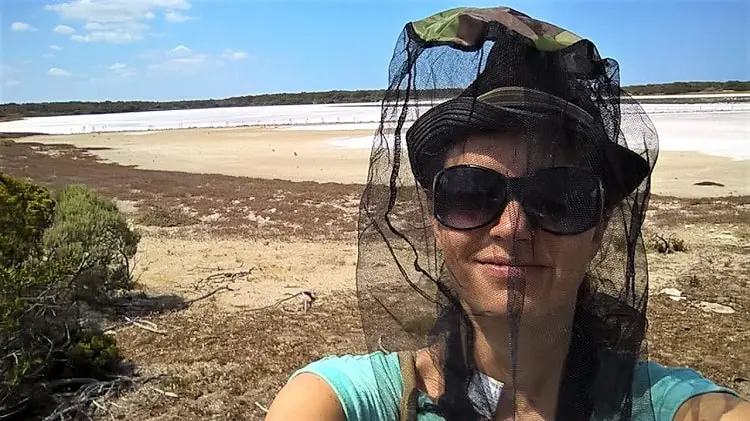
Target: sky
95,50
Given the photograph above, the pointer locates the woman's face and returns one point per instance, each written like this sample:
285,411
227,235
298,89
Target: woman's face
546,268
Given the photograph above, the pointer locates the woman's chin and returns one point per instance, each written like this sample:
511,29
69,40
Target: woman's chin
498,304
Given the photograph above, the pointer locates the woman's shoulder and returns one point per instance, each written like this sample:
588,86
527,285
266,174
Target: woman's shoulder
368,386
664,389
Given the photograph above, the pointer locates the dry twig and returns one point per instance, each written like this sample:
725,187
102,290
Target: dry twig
144,326
167,394
203,297
380,344
261,407
76,405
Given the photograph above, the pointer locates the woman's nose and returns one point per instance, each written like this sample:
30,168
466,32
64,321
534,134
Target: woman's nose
513,223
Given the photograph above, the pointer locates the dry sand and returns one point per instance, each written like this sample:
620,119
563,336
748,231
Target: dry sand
677,173
276,269
306,156
248,152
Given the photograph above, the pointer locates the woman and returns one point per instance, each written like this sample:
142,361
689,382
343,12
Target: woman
507,255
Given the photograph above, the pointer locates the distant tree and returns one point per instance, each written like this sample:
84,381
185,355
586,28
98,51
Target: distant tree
14,111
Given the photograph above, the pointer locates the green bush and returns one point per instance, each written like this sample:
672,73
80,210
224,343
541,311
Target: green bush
52,254
26,211
91,239
93,356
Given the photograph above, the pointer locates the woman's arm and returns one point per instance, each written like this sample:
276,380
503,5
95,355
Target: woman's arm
714,407
306,397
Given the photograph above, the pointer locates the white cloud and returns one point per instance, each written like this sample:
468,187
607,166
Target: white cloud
64,30
177,16
21,27
181,50
115,33
122,70
94,26
58,72
181,60
12,83
234,55
116,21
55,47
48,55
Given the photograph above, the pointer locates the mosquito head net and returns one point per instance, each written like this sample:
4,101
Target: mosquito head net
500,228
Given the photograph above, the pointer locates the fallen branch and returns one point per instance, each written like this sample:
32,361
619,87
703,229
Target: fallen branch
79,401
309,295
144,327
229,275
67,382
203,297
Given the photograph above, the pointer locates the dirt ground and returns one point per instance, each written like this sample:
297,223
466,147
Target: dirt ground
226,356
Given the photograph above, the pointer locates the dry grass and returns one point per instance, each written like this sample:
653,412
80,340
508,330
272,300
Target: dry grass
221,373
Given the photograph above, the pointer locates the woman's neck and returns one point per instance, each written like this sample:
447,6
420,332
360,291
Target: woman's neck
531,373
541,351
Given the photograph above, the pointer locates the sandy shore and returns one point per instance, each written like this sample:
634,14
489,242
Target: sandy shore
308,156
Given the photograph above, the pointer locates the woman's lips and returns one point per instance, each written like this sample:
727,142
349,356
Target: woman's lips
502,270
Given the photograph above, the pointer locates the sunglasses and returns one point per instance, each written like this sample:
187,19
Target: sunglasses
559,200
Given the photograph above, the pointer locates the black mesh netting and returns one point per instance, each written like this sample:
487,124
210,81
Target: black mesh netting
500,228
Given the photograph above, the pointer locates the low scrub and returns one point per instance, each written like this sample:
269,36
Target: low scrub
91,239
667,245
55,252
157,216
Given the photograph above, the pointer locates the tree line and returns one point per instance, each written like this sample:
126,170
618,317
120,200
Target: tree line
11,111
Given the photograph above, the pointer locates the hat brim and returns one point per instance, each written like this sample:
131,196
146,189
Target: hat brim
622,169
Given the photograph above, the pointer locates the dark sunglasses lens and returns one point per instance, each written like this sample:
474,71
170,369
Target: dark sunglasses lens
468,197
563,200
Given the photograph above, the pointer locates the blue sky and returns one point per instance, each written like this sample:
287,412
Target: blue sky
60,50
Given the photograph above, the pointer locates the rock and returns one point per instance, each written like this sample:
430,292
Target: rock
715,308
673,293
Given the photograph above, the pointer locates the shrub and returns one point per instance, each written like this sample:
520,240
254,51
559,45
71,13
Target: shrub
668,245
49,251
26,211
157,216
91,239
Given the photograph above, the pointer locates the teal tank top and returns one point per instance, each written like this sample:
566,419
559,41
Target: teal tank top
353,379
